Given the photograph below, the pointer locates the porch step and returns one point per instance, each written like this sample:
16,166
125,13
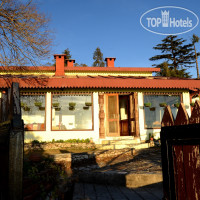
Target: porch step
120,142
122,146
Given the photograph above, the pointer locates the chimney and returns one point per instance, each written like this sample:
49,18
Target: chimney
70,62
60,64
110,62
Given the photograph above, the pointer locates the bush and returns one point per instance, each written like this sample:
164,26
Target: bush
72,141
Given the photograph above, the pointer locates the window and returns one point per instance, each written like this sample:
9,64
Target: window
33,112
154,106
72,112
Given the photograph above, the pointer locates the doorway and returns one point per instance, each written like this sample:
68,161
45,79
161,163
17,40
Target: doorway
120,115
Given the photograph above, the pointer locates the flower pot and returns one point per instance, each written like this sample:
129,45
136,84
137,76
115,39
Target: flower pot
38,104
57,109
147,104
55,104
41,108
152,109
72,104
163,105
85,107
71,108
177,105
88,103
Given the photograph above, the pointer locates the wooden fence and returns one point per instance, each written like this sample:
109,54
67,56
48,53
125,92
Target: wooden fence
180,149
11,144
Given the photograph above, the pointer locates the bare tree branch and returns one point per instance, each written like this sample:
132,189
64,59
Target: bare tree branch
24,33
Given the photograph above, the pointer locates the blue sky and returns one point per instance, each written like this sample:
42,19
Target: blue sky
112,25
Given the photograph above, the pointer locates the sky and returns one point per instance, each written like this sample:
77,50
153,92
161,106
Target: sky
113,25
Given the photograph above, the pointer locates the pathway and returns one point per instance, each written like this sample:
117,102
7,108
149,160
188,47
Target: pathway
86,191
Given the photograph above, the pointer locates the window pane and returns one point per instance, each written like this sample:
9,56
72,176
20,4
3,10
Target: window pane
33,112
154,108
112,107
71,112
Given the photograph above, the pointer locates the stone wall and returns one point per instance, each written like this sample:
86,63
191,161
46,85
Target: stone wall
47,146
100,158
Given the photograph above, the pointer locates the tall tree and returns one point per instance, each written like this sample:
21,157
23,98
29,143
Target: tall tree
167,71
98,58
24,34
176,53
68,55
195,39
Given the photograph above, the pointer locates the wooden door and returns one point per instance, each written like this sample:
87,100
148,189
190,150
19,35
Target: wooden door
132,115
124,115
112,115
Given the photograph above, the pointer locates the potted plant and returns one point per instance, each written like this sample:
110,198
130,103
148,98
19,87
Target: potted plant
88,103
163,104
22,104
192,104
71,108
177,105
38,104
85,107
72,104
151,137
147,104
57,109
152,109
41,108
26,108
55,104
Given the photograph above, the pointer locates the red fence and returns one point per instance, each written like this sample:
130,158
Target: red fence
180,148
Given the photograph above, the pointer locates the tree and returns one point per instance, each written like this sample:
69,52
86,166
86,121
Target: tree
177,54
195,39
167,71
24,34
98,58
69,56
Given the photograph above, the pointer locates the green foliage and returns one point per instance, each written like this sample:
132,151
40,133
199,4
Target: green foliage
167,71
98,58
35,142
176,54
72,141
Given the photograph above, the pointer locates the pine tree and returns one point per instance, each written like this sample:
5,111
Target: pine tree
167,71
177,55
98,58
68,55
195,39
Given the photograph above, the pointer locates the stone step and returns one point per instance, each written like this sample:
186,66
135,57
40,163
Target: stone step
122,146
119,138
124,142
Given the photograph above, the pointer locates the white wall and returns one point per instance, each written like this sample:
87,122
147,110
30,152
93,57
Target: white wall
48,135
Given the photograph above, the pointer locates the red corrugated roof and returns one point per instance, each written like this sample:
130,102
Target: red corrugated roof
99,69
102,82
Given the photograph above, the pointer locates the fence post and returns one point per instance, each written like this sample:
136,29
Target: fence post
16,146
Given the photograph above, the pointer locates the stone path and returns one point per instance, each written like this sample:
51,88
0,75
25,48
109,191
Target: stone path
86,191
121,179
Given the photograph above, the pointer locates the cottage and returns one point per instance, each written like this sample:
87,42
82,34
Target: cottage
68,102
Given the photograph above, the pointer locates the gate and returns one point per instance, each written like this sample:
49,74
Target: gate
180,150
11,144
